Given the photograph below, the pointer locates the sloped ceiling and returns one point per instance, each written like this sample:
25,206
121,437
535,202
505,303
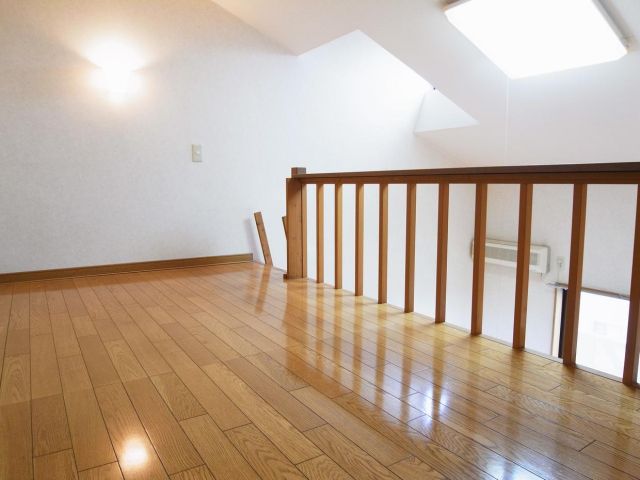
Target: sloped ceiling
585,115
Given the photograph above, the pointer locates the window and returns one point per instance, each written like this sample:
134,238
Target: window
602,331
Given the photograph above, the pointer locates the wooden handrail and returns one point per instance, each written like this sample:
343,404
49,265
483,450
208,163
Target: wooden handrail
596,173
577,175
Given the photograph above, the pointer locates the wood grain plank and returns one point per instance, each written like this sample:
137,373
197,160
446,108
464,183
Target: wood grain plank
55,466
282,401
353,428
50,431
97,361
18,342
169,440
263,456
136,455
39,323
323,468
224,461
198,473
16,380
15,441
177,396
347,454
73,374
217,404
124,361
414,469
289,440
110,471
45,378
148,356
91,444
64,335
276,372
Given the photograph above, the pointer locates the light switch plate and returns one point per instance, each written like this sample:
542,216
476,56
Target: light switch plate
196,153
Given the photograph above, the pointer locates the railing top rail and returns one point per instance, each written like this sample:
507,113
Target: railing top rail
628,172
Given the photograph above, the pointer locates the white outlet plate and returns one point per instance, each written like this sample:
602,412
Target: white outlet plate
196,153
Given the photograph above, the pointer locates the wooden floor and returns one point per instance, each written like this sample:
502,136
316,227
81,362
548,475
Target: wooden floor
228,372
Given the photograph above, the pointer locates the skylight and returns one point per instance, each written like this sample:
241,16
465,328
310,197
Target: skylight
532,37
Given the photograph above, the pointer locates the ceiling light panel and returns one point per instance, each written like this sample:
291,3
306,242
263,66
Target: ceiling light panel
532,37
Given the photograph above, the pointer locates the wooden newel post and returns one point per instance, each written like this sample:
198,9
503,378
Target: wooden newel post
296,219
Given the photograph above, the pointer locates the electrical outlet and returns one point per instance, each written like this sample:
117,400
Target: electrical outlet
196,153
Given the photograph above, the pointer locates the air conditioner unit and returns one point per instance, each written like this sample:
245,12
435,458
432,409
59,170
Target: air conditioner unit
504,253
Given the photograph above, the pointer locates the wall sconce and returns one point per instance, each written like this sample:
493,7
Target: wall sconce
116,74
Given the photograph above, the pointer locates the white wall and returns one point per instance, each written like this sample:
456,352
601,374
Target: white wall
86,182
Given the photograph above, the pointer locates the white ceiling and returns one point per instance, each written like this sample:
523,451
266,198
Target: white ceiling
590,114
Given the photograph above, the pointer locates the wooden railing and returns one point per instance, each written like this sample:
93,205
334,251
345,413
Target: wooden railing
580,176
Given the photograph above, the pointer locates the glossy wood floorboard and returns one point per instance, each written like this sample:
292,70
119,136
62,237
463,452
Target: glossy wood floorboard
228,372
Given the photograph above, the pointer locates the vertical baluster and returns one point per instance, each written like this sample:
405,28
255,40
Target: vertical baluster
320,233
441,263
410,251
630,374
359,238
522,266
480,234
570,334
338,236
383,239
296,226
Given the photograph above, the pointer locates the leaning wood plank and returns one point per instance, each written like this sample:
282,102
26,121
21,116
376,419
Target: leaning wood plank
264,242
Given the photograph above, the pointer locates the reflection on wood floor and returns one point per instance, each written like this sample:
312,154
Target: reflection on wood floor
228,372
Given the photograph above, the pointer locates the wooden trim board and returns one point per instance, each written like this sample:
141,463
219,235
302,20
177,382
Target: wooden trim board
123,268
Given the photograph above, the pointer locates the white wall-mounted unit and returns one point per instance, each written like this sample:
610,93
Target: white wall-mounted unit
499,252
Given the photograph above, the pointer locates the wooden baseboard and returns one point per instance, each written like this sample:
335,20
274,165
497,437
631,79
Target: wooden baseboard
123,268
